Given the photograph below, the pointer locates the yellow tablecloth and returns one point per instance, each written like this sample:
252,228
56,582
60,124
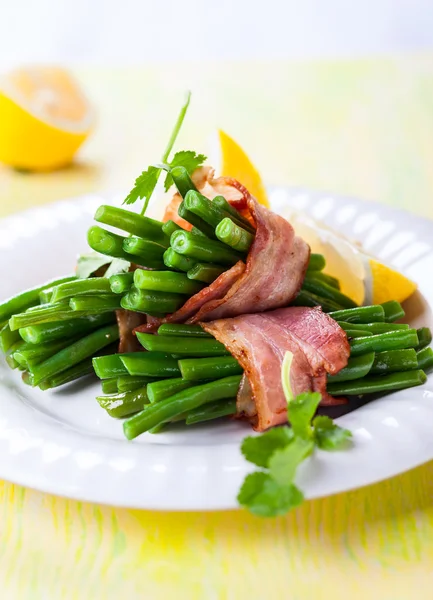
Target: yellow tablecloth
359,127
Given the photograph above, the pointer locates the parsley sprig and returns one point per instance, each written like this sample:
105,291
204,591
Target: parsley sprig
145,183
271,491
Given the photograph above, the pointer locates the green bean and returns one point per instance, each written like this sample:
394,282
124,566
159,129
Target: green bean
123,405
30,355
205,272
354,333
305,298
146,249
196,231
42,314
82,369
121,283
56,330
182,180
152,302
394,361
170,227
160,390
194,369
200,224
424,337
375,384
45,295
107,367
75,353
129,383
182,402
391,340
208,412
317,262
165,281
393,311
131,222
324,278
182,330
201,207
174,260
234,236
151,364
24,300
93,286
373,327
95,304
27,378
107,243
323,290
361,314
425,359
203,250
357,367
109,386
10,354
8,337
187,346
235,215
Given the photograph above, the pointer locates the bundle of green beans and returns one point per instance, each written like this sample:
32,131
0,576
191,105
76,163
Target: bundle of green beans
51,332
180,263
187,375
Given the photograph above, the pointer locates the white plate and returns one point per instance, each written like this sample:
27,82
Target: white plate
62,442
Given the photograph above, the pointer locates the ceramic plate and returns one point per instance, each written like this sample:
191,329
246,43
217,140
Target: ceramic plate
62,442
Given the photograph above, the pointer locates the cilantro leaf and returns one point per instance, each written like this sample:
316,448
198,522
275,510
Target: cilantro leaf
264,497
328,435
259,449
144,186
185,158
284,462
87,264
117,265
301,410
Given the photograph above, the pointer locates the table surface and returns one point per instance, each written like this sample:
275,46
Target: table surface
363,128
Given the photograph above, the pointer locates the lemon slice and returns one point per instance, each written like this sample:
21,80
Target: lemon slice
285,376
45,118
362,277
230,160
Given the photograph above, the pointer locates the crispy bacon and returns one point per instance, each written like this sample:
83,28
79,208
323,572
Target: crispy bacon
127,322
260,341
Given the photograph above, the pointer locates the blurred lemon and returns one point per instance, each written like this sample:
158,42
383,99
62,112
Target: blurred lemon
230,160
44,118
362,277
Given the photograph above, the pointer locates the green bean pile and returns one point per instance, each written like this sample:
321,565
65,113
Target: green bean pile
187,375
52,332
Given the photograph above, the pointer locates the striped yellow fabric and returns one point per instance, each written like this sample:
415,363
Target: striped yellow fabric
357,127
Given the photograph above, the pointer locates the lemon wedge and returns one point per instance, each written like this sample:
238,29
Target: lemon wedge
230,160
285,376
362,277
45,118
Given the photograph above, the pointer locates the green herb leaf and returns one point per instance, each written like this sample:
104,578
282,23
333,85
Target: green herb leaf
185,158
259,449
328,435
88,264
117,265
301,410
264,497
144,186
145,183
284,462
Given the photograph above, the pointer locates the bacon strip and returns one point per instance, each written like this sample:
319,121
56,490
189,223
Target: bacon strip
259,342
272,277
